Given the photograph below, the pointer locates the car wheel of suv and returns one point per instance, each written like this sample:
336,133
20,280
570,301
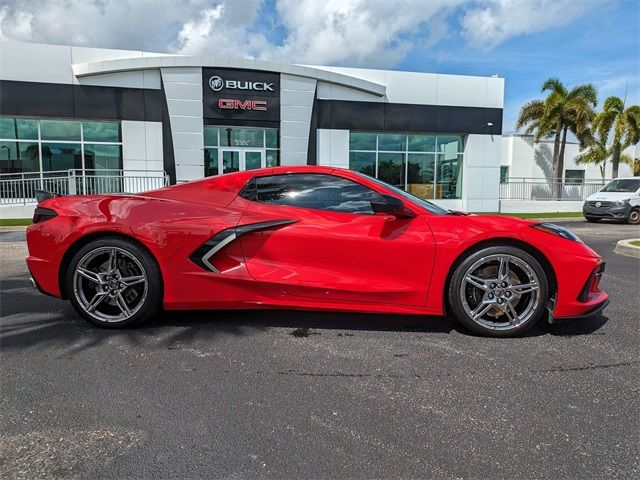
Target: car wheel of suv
114,283
634,217
498,291
592,219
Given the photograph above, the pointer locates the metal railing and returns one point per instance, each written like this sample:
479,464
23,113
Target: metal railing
537,189
20,188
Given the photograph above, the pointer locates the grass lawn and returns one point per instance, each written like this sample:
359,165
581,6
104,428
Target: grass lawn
545,215
14,222
636,243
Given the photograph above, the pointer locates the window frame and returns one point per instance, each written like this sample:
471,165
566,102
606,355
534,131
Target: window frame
437,152
252,196
81,143
265,148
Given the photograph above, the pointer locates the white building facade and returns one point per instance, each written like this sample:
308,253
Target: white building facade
437,136
523,158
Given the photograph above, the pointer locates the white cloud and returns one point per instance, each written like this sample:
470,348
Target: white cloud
128,24
354,32
223,28
358,32
344,32
491,22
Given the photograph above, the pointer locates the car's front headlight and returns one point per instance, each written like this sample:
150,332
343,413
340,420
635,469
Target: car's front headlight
619,203
557,230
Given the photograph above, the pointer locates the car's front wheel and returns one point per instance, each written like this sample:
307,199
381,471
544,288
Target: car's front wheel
498,291
113,282
634,217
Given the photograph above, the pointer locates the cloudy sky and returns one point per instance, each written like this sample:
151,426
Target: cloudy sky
524,41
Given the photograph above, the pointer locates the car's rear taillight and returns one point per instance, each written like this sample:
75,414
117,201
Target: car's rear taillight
43,214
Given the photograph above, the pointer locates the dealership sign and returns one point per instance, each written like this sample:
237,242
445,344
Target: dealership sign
241,94
216,84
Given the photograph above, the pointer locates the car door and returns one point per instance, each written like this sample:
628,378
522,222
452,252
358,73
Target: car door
326,243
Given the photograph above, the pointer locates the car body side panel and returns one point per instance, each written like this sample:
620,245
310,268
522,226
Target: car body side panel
332,256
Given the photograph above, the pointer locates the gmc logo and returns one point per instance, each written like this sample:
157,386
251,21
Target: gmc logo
230,104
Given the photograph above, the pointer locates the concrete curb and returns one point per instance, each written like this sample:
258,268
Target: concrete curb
624,247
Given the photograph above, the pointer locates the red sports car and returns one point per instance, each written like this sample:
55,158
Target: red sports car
306,238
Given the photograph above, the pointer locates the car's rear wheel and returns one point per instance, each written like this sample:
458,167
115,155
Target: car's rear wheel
592,219
498,291
114,283
634,217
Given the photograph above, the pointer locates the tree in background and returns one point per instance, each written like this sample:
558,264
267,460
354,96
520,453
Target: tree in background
560,112
625,124
598,153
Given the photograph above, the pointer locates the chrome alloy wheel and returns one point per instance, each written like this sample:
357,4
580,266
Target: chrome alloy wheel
110,284
500,292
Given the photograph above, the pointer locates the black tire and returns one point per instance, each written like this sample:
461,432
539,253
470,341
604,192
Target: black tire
534,310
131,255
634,217
592,219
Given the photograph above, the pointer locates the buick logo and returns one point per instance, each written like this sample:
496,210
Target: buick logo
216,83
598,204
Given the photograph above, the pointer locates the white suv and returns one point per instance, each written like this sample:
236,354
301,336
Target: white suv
617,200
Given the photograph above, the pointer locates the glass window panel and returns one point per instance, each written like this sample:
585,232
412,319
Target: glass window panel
61,156
102,157
7,128
273,158
420,174
574,176
252,160
392,141
272,138
211,137
230,161
449,176
363,162
60,130
422,143
316,191
18,157
210,162
504,174
450,144
362,141
101,131
242,137
391,168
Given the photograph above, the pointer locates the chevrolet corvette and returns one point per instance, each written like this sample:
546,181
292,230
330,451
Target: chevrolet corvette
308,237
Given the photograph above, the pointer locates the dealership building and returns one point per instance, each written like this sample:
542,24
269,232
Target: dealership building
437,136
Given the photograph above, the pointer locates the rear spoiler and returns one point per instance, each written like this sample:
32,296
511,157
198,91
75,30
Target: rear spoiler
42,195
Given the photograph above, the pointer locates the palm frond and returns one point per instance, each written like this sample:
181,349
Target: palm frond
554,84
613,104
587,92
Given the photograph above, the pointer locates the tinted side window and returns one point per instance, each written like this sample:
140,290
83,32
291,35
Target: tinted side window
316,191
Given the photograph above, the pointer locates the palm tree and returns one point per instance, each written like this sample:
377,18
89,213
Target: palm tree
625,124
560,112
598,153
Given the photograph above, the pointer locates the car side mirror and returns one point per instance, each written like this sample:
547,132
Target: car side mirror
388,205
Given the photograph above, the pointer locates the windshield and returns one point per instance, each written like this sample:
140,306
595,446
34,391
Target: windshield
622,185
432,207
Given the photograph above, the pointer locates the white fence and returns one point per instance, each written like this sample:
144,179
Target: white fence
536,189
20,188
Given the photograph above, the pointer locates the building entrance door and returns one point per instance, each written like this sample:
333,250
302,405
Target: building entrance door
239,159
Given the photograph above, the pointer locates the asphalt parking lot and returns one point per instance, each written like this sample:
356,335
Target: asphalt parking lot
318,395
